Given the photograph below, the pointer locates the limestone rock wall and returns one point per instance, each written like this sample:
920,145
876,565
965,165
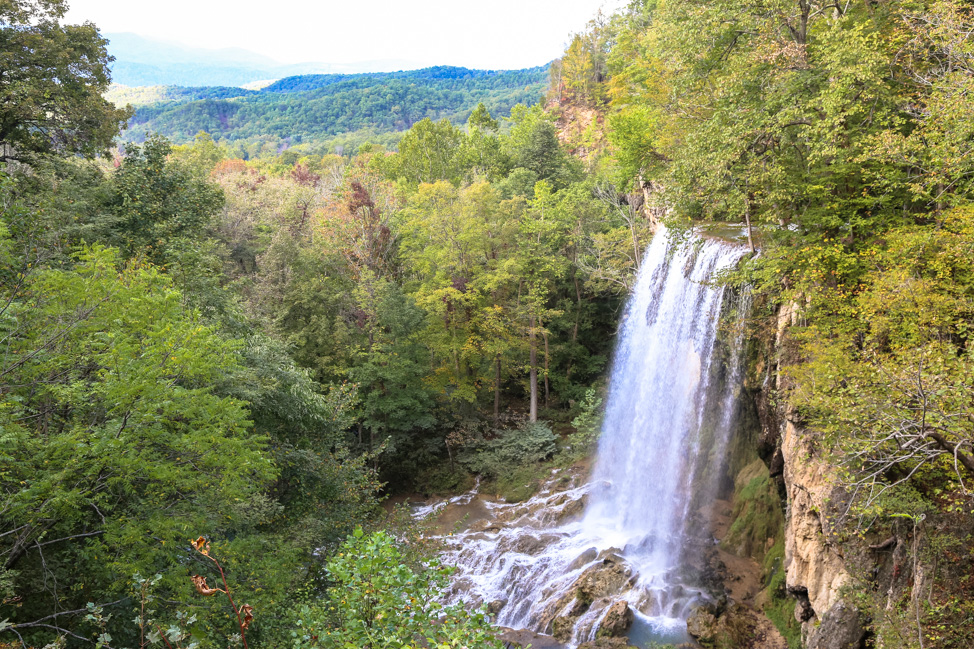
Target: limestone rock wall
817,566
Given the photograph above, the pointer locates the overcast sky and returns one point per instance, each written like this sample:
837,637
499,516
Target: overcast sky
497,34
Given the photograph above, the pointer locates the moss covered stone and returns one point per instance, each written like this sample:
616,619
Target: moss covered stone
758,519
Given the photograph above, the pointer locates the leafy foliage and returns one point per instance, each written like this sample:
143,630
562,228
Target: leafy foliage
890,384
529,444
112,427
587,424
158,205
377,600
52,84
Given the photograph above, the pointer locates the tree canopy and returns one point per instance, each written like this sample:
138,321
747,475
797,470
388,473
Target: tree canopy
52,78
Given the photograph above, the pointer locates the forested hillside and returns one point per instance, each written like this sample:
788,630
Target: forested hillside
255,352
325,112
244,339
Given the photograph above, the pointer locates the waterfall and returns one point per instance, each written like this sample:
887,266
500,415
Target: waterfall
661,455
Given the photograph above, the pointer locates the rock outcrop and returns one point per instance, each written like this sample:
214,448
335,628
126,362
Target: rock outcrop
595,590
617,620
816,571
609,577
817,568
702,625
841,628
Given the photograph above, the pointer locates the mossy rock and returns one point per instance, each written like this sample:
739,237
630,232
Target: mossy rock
758,520
777,605
562,627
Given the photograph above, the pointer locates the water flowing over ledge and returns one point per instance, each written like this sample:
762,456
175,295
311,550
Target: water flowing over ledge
622,553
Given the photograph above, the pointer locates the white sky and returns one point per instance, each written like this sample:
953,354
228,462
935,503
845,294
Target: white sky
497,34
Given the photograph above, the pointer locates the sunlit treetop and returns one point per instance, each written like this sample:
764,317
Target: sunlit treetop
52,77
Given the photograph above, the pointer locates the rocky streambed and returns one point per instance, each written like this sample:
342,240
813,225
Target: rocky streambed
549,580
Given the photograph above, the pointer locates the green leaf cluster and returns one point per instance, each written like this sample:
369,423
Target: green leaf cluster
377,600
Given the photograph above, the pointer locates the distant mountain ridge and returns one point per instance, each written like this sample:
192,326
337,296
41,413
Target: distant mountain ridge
141,61
325,112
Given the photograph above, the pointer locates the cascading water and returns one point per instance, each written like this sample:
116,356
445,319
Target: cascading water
660,458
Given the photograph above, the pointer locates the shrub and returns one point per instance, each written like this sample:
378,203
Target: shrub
588,425
376,600
529,444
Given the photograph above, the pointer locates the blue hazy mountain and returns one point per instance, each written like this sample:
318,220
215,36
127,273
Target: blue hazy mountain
141,61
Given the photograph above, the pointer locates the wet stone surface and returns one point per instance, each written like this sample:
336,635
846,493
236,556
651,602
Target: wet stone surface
533,568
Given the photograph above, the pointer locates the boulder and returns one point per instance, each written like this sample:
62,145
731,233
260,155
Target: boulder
611,555
566,608
488,526
496,606
616,621
571,510
562,627
525,544
602,579
702,625
736,626
841,628
584,558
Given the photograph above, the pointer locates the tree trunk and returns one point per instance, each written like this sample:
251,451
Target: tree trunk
375,460
533,338
578,317
497,391
544,334
747,220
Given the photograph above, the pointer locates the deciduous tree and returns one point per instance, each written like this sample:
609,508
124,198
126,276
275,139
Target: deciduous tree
52,78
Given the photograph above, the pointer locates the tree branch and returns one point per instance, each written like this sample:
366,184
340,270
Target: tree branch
954,449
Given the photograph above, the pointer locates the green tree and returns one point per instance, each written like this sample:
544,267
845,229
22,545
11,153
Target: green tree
533,145
582,71
483,153
157,206
480,119
390,369
428,152
542,230
379,601
116,446
202,156
52,78
457,245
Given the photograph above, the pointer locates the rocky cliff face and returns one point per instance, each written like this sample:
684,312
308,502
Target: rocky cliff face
789,554
779,555
818,568
815,569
